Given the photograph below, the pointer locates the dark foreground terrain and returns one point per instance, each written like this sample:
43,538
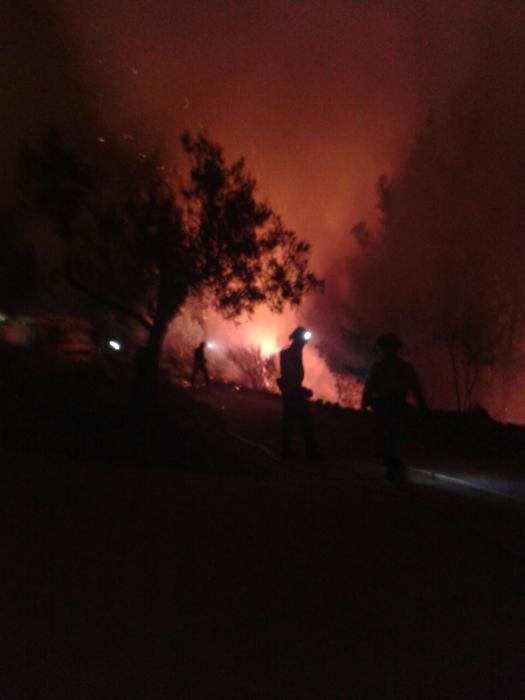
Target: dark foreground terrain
129,576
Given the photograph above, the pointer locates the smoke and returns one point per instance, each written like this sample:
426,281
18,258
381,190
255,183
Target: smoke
268,333
318,101
320,98
445,268
246,351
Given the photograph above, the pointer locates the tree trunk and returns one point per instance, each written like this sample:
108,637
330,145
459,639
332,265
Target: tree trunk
148,357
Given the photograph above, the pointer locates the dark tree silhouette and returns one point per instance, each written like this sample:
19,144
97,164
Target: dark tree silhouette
18,272
139,246
54,183
445,266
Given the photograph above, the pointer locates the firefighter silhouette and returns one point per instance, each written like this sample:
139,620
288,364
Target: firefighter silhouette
389,384
199,364
296,407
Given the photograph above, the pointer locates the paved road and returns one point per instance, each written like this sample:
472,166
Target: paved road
488,504
254,418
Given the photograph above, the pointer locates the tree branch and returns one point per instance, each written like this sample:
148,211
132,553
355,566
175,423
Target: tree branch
110,303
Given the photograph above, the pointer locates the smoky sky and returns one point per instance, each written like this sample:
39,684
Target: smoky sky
321,97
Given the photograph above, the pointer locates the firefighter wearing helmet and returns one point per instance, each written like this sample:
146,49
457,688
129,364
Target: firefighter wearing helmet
200,365
390,382
296,408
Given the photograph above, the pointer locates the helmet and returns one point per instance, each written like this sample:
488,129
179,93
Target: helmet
389,343
300,333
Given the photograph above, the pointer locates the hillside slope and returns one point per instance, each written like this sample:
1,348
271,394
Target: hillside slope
139,580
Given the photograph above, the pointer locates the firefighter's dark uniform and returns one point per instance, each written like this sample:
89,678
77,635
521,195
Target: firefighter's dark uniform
390,381
199,364
296,409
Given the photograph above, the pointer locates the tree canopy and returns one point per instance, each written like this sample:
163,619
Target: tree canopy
140,239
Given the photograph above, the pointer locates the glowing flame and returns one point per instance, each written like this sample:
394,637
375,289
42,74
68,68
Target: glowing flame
236,344
266,345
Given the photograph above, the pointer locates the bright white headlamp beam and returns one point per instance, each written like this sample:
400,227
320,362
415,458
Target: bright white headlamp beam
113,344
307,335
